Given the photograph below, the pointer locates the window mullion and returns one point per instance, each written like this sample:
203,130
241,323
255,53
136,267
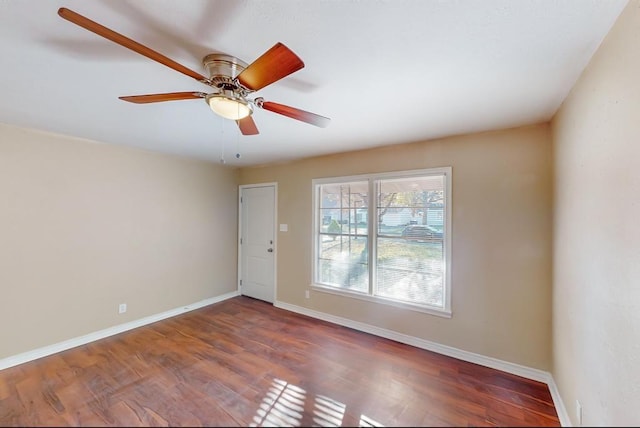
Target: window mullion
373,232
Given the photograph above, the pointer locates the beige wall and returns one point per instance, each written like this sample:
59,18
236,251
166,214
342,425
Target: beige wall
86,226
596,295
501,271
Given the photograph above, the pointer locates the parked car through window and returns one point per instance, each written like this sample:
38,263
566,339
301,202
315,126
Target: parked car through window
420,232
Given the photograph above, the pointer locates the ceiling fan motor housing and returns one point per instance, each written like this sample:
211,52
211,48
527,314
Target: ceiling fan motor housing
222,69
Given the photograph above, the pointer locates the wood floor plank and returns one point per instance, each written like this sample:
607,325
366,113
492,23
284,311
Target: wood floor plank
243,362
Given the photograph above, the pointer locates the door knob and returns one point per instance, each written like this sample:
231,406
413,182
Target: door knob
270,250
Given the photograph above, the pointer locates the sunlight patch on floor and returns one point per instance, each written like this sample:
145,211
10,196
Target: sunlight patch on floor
366,421
328,412
284,403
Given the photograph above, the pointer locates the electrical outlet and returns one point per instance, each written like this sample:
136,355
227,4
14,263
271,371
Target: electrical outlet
306,294
122,308
579,413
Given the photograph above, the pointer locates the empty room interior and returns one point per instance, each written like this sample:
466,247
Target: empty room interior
390,213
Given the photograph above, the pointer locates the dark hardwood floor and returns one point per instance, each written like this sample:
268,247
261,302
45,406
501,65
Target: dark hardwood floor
244,362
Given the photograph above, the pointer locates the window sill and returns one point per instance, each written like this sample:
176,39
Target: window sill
381,300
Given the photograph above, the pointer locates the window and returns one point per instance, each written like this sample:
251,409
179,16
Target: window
385,237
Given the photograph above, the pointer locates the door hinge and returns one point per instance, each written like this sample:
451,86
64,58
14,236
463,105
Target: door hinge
240,282
240,199
240,241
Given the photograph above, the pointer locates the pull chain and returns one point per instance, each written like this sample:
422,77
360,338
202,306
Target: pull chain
222,161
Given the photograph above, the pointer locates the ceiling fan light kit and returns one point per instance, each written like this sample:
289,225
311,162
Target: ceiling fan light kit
231,79
229,102
229,106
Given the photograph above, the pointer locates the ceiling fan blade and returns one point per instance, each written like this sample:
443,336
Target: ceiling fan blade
294,113
156,98
247,126
273,65
103,31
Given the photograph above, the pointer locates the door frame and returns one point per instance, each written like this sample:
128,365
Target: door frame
275,235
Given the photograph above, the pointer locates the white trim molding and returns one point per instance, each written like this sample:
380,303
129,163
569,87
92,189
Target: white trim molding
494,363
561,409
101,334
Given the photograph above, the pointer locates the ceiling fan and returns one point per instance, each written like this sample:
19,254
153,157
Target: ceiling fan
232,80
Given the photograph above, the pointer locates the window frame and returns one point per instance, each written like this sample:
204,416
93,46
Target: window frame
372,237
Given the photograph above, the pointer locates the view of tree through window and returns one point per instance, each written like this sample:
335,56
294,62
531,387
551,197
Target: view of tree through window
410,235
343,253
404,246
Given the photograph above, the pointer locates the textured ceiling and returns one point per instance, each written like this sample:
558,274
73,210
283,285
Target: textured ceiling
385,72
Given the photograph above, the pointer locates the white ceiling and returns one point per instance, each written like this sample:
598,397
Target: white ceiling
385,72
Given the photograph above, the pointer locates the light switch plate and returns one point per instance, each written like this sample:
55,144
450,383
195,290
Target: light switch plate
284,227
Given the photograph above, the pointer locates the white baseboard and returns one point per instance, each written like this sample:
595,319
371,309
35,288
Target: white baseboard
494,363
91,337
565,421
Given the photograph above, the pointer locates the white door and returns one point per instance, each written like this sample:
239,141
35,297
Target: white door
257,241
